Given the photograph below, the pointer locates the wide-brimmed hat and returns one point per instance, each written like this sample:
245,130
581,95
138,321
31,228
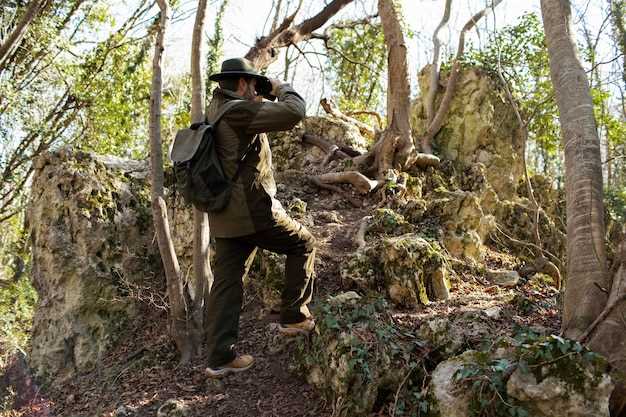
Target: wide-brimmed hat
237,67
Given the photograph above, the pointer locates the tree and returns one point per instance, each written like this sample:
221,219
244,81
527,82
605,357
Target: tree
203,277
594,298
177,315
12,42
263,52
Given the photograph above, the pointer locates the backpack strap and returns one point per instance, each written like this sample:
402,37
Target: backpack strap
223,110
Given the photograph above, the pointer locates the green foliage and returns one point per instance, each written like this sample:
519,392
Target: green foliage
543,356
357,58
17,296
17,302
216,46
119,97
615,200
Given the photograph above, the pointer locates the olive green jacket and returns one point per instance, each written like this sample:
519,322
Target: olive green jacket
253,206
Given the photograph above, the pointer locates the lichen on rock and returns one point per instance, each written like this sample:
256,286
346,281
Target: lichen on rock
91,232
408,268
358,358
479,127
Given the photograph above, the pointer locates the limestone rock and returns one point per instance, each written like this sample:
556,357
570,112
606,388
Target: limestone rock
479,127
465,224
91,231
450,400
267,277
409,268
413,269
344,297
552,397
357,358
503,278
173,408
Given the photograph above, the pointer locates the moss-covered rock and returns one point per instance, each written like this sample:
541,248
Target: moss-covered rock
90,224
479,127
359,357
527,376
265,278
408,268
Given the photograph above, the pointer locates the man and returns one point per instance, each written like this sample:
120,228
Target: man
253,217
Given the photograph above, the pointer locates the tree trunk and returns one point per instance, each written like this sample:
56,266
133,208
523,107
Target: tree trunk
617,10
429,104
586,255
263,53
203,277
177,314
17,35
398,93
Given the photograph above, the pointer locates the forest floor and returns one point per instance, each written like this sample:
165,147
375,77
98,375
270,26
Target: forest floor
141,373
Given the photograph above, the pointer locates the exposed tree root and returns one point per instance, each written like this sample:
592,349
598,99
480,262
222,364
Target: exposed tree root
378,117
359,181
331,108
544,266
617,295
315,180
333,151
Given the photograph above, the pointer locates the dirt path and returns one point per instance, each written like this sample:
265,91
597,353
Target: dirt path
141,374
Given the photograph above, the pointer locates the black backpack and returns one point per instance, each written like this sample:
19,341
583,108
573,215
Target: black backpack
197,167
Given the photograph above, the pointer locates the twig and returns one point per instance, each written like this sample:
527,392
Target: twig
395,402
532,245
378,117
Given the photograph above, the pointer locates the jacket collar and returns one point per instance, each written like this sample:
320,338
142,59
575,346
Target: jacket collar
227,94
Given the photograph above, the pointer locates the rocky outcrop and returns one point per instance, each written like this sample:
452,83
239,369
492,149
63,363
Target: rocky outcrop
93,255
407,267
545,377
91,233
480,128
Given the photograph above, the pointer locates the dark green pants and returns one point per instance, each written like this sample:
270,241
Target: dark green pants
224,306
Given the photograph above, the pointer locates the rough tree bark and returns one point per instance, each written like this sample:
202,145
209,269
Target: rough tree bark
203,277
263,53
586,256
177,314
17,35
435,125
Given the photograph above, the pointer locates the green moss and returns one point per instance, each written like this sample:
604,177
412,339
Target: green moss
551,356
359,357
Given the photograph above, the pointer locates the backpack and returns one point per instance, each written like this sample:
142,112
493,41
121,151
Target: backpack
197,167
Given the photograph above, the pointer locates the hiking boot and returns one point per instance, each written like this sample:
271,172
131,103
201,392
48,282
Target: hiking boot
304,327
239,364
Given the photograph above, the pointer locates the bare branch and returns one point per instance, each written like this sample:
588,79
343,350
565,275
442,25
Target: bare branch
263,53
442,111
434,70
